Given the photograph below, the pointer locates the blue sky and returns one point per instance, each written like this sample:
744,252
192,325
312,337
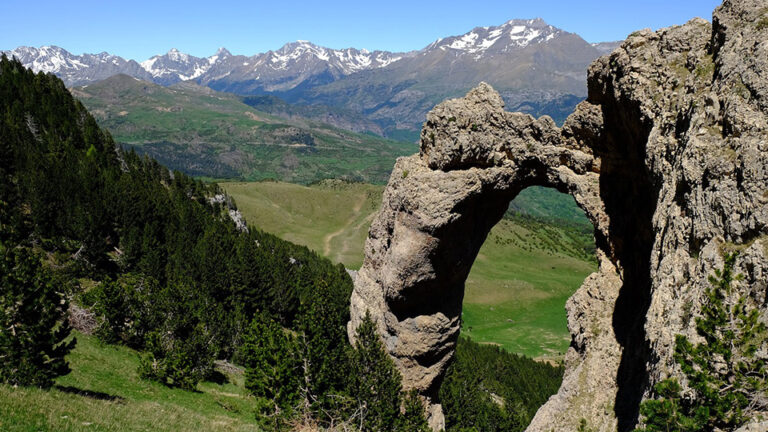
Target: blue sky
138,29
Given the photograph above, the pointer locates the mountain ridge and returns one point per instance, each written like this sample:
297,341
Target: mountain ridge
174,65
538,69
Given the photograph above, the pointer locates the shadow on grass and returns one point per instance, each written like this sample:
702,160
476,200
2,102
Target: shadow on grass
89,393
217,377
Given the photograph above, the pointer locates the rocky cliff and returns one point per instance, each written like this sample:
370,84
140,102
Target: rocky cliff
668,157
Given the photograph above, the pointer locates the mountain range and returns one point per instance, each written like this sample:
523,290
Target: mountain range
536,67
283,69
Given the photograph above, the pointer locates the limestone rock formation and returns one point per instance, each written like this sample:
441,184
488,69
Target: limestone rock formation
668,157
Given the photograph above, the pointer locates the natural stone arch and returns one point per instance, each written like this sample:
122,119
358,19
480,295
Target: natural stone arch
438,209
668,157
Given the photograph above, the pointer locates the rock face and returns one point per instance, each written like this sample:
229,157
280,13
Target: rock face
668,157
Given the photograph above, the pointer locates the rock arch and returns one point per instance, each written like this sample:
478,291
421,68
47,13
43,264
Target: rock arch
438,209
667,159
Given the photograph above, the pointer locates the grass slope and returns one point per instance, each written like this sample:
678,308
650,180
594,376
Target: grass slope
516,292
331,217
206,133
550,205
104,393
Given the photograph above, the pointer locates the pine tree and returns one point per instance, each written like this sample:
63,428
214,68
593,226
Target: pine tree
178,361
272,368
33,324
182,348
113,306
323,342
375,380
412,418
726,375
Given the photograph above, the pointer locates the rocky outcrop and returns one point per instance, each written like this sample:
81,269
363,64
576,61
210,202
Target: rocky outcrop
668,157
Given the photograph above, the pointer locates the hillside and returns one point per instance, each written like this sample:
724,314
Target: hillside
163,262
331,218
513,298
205,133
105,393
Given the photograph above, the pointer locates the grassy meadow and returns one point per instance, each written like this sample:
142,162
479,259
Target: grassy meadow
104,393
517,289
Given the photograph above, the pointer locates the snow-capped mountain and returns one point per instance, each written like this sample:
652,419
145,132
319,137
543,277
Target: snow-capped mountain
513,34
295,64
175,66
534,65
281,69
344,61
74,69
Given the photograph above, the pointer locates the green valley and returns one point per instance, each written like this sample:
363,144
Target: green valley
515,294
206,133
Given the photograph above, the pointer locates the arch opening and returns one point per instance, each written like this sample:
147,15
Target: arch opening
531,262
514,329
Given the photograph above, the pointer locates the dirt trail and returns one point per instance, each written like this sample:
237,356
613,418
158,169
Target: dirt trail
355,213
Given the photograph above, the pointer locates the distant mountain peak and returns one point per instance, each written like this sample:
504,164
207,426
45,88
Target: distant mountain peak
176,55
531,22
606,47
221,55
339,61
513,34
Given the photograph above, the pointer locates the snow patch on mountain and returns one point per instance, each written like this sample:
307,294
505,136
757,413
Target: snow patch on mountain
175,66
346,61
480,40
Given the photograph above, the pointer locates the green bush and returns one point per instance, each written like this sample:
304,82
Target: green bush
178,361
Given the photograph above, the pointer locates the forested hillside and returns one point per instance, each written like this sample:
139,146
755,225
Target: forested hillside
104,213
153,253
489,389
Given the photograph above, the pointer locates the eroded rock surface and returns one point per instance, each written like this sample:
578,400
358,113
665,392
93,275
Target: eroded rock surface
668,157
